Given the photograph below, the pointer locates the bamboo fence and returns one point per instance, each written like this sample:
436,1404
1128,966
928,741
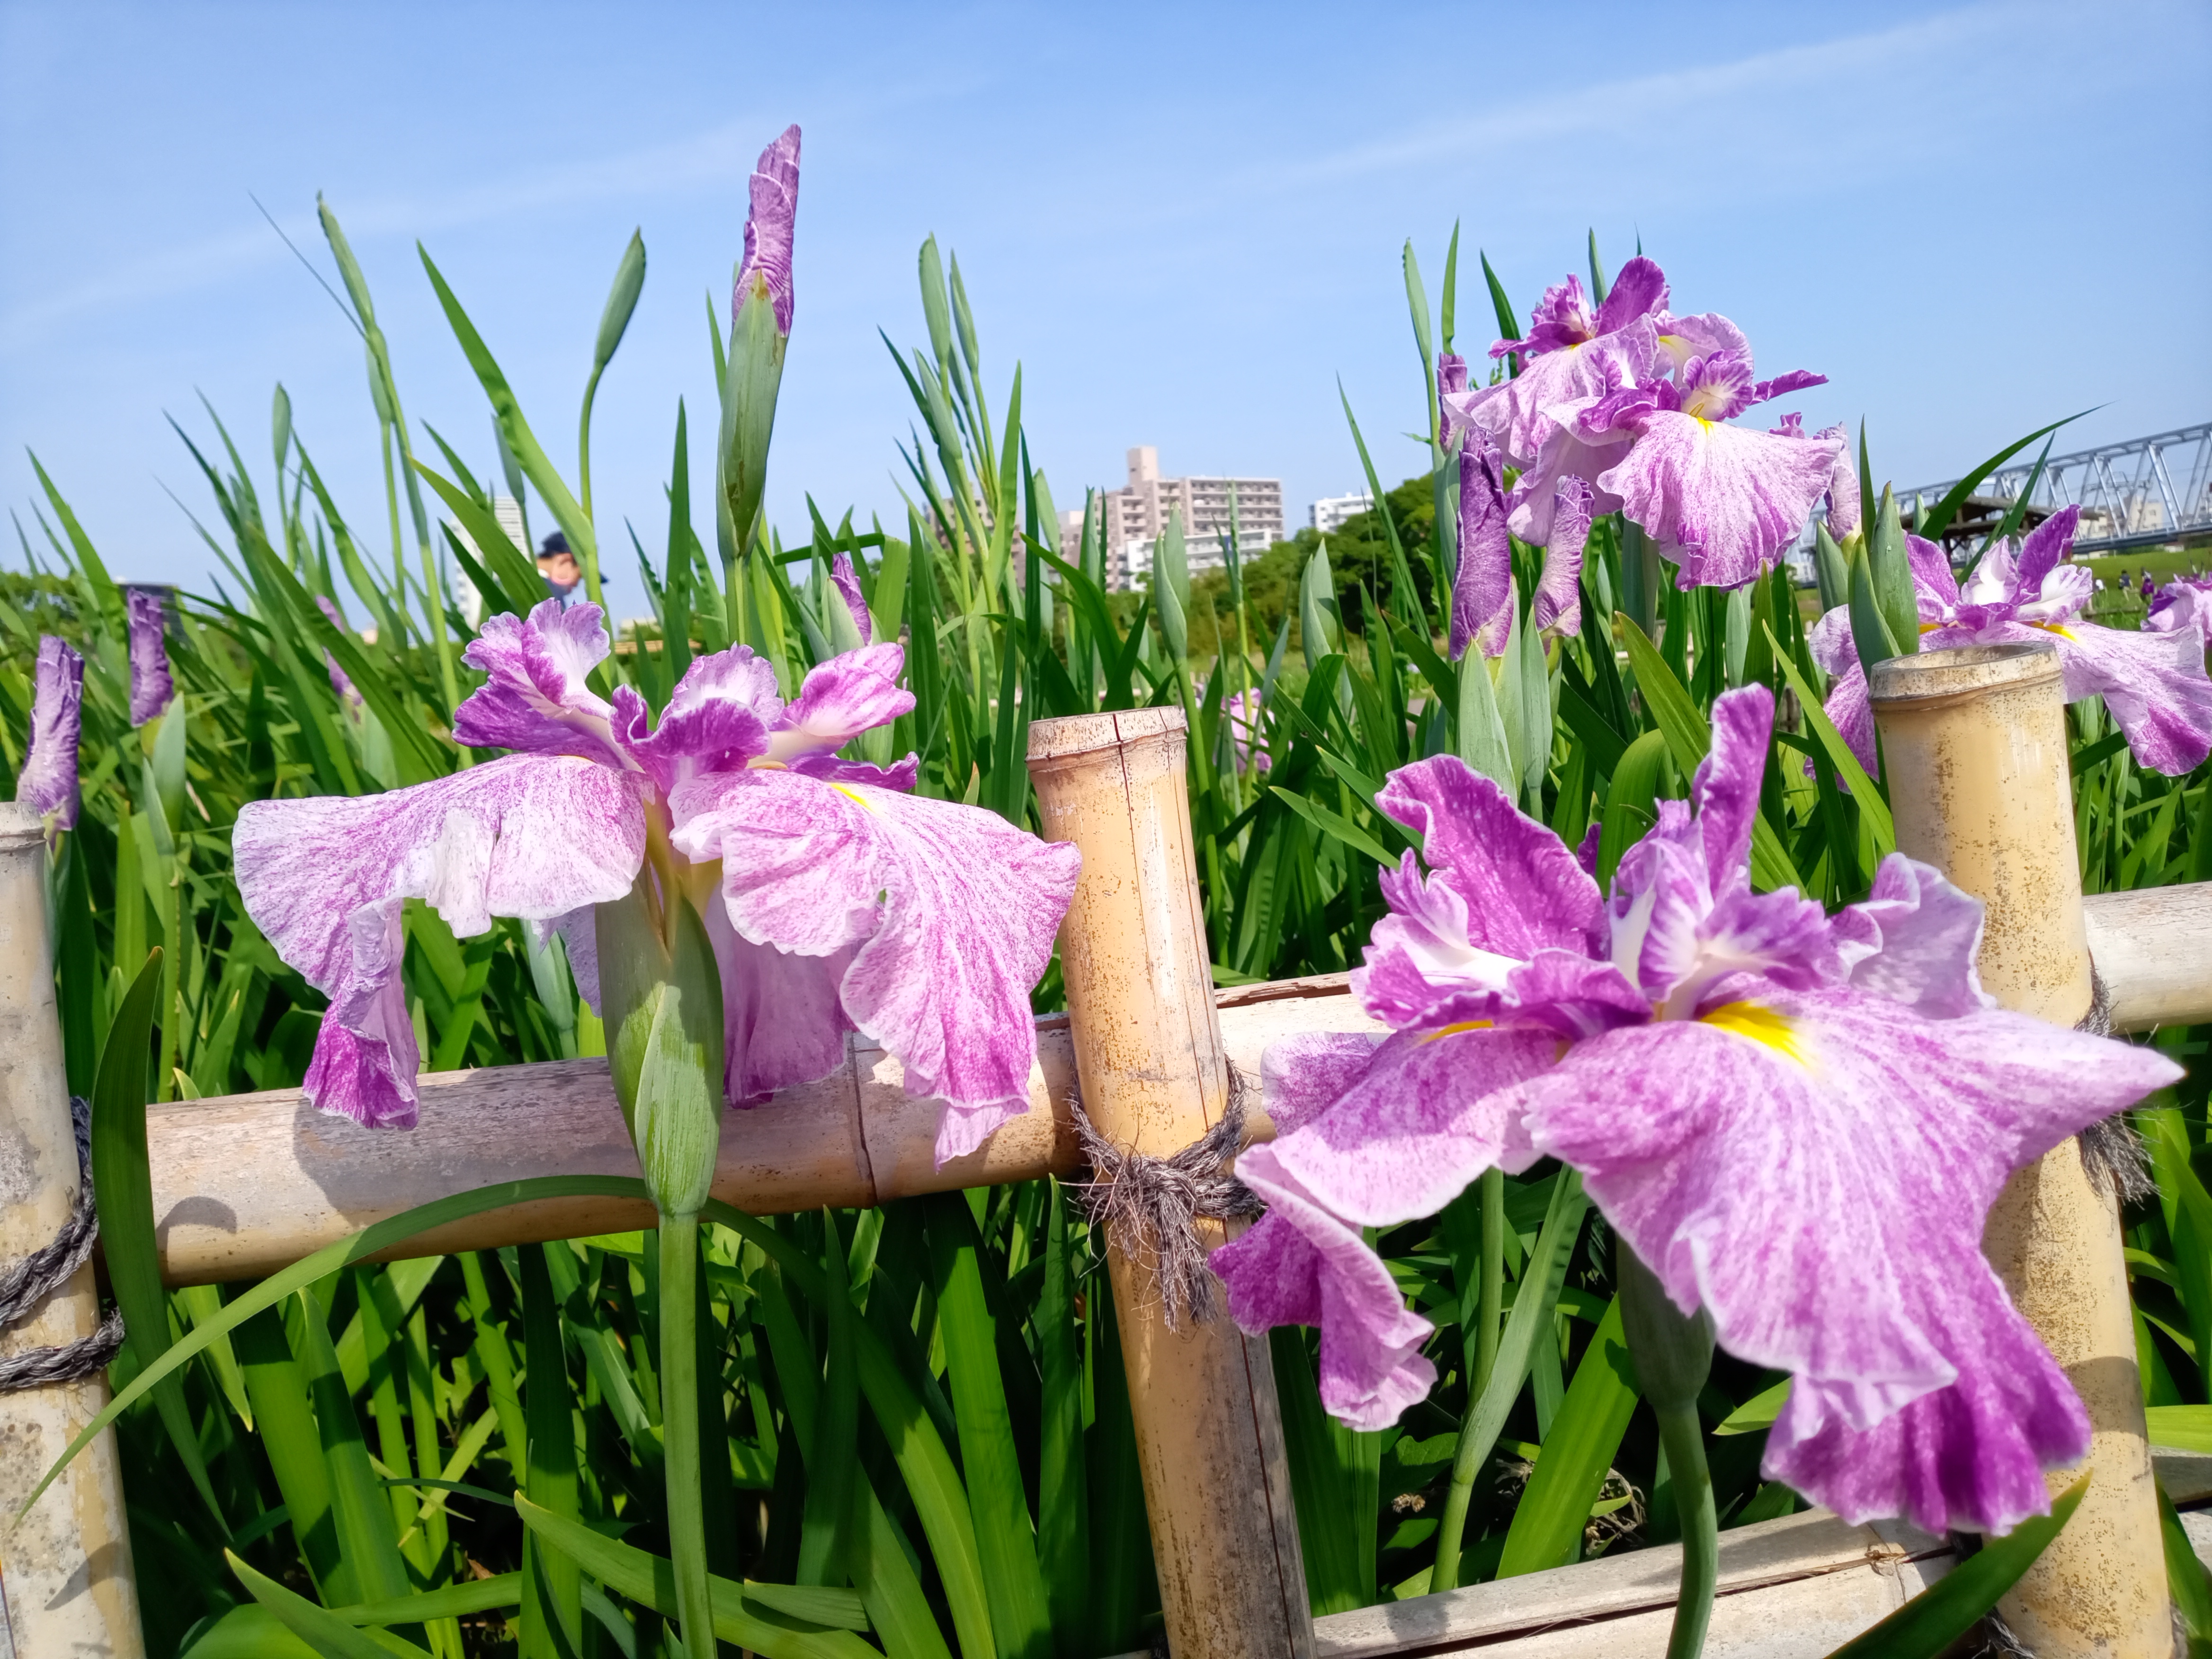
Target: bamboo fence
1978,768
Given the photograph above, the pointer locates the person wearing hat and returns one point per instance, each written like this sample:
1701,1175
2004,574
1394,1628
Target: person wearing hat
558,566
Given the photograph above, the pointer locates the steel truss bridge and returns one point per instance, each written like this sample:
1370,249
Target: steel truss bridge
2141,493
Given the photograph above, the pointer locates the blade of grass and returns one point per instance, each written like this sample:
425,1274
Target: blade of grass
1020,1611
123,1192
1926,1626
1584,1439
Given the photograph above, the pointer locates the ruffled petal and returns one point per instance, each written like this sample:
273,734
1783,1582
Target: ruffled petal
1815,1170
1725,788
718,719
1844,507
1567,453
366,1056
1482,589
1914,941
1969,1456
2044,547
1639,289
1522,888
1299,1265
1723,501
1421,1121
1518,413
2154,685
1557,605
1832,643
949,910
841,699
1852,712
1935,584
1299,1075
783,1024
1570,997
536,836
901,775
538,699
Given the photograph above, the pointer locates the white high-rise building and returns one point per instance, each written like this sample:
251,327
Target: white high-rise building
1137,514
1331,511
509,511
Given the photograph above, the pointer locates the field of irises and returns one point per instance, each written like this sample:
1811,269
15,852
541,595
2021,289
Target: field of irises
1583,688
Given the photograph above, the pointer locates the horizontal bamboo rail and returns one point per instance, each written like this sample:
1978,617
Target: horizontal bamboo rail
245,1184
1797,1587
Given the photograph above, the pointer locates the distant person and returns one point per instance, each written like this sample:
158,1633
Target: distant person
559,567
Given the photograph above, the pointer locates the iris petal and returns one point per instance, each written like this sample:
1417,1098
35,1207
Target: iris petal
537,837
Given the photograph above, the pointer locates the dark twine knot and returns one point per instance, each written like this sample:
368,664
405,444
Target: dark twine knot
24,1283
1149,1206
2111,1151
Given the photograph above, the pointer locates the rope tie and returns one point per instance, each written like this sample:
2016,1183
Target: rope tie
2111,1151
24,1283
1149,1206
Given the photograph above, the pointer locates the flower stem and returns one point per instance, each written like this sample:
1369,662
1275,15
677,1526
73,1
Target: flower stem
680,1419
1674,1355
1490,1308
1684,1437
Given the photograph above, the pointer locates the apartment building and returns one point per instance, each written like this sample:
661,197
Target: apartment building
1331,511
1136,514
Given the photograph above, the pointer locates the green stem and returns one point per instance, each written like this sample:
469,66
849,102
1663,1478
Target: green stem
1684,1437
584,467
679,1422
392,506
1490,1309
1674,1355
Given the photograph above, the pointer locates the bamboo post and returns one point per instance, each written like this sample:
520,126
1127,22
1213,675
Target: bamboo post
1154,1077
1981,785
65,1582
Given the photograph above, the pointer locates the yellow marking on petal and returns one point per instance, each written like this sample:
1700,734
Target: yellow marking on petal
2053,627
1760,1025
1454,1030
1930,627
851,797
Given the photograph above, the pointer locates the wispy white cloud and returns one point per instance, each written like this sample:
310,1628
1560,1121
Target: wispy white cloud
1691,109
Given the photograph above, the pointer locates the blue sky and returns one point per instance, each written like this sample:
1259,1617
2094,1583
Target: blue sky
1184,222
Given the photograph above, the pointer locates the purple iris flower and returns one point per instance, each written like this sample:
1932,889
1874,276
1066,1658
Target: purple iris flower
765,272
151,688
841,577
47,784
1798,1121
845,903
2153,681
1721,501
1482,589
1564,355
1843,492
2183,605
